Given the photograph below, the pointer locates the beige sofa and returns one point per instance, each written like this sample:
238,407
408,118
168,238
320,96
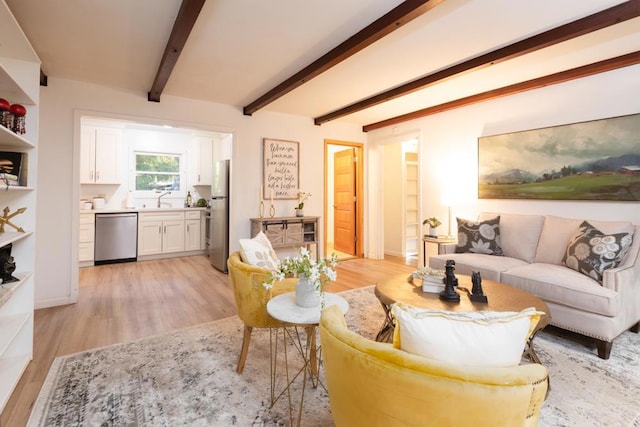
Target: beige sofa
533,248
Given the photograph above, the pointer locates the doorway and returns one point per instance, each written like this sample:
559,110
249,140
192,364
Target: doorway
344,199
401,199
195,150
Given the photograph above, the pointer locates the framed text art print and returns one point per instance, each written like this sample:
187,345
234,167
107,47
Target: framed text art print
594,160
280,168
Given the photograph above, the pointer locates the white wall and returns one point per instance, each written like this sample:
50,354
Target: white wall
58,195
449,147
393,193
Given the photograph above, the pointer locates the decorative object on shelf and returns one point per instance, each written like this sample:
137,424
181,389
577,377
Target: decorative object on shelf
5,219
272,208
434,223
302,197
311,273
450,283
7,265
261,196
477,294
6,118
11,168
201,203
19,113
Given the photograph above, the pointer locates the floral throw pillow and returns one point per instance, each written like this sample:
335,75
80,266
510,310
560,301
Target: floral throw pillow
481,237
591,252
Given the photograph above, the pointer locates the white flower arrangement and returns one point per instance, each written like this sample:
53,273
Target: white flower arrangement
302,197
319,273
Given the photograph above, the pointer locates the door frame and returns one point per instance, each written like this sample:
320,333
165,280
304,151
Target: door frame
360,201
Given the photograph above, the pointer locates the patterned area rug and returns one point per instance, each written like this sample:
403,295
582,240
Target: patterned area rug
188,378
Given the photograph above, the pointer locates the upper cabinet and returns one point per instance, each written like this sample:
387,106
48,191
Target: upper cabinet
19,84
204,173
99,151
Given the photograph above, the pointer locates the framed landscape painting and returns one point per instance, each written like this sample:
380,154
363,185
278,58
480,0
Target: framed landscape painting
595,160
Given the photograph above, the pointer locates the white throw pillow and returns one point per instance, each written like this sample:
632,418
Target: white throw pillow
259,252
480,338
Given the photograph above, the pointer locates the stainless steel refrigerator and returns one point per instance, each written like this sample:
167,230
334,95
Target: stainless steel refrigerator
219,218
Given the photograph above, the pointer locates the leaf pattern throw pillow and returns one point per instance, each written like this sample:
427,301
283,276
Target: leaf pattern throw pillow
481,237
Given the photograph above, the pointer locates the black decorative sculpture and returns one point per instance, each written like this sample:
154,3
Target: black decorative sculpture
450,283
7,265
477,294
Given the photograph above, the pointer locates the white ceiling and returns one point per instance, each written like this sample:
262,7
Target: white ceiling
240,49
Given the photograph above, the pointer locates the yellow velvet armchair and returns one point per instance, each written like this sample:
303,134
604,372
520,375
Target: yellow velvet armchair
251,299
374,384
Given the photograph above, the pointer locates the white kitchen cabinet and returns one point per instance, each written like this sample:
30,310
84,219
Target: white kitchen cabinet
193,231
19,84
86,236
99,151
203,173
172,236
161,232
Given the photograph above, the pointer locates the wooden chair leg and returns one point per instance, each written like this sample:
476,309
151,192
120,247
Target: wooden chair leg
246,338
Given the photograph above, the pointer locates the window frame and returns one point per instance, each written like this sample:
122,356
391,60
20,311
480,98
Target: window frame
133,172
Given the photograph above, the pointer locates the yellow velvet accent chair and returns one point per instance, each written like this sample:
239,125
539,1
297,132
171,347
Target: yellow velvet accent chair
251,299
374,384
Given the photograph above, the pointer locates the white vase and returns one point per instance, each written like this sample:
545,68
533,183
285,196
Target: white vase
299,212
306,295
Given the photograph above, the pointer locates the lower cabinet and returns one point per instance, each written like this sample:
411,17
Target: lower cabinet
161,232
87,233
193,231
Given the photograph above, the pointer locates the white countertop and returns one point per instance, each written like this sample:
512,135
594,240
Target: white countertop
94,211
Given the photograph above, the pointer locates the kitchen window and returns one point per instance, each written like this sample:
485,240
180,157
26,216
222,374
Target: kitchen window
158,172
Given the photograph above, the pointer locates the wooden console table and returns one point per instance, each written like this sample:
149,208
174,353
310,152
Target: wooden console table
289,231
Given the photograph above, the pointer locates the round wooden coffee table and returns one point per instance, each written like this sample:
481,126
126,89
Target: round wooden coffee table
500,297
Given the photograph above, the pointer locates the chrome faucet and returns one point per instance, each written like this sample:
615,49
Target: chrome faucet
161,195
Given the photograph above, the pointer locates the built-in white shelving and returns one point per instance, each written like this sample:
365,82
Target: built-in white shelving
19,84
411,202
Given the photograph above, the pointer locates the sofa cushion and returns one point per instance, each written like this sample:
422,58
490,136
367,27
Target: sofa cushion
481,237
556,233
561,285
489,267
480,338
591,252
519,234
258,252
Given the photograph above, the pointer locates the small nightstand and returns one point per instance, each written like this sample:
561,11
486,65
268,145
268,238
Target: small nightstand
440,241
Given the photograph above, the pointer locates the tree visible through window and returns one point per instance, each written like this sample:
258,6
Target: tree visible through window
157,172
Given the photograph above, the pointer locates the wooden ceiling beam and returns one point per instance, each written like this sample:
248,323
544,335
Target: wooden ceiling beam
391,21
613,15
561,77
186,19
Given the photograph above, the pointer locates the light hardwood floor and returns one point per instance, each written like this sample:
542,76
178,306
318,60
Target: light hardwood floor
124,302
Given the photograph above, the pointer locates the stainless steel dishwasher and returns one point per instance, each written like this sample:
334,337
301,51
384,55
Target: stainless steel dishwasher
116,237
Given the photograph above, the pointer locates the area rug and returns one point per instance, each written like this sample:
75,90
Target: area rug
188,378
